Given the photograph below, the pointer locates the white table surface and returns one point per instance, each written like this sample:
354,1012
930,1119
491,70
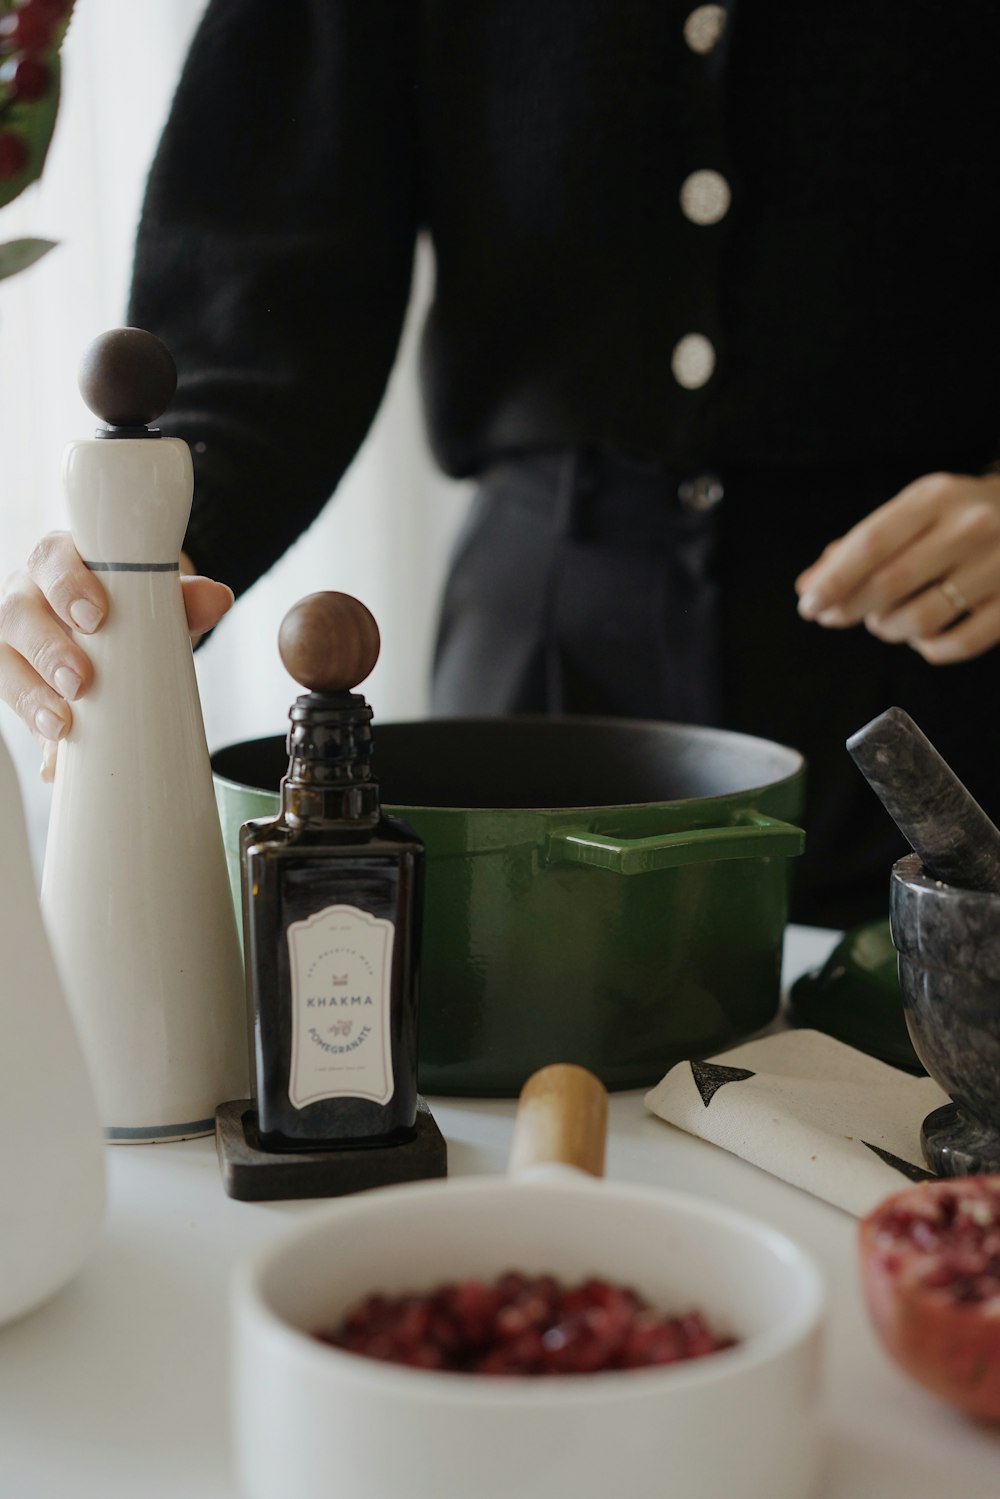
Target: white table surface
116,1388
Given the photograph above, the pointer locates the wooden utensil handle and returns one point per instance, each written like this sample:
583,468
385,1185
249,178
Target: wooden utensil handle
562,1116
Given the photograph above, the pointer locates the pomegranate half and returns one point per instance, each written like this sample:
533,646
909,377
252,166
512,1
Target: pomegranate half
930,1271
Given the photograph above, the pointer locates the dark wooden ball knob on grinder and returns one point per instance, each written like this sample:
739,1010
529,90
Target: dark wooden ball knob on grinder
128,378
329,642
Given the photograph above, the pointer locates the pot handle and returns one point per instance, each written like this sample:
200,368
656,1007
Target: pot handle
757,837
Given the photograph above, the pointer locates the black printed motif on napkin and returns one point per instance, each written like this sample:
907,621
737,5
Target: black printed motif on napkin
915,1173
709,1077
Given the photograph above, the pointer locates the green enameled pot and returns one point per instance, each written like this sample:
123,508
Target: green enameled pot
600,891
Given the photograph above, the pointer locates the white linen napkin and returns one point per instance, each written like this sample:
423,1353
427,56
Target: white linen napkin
808,1109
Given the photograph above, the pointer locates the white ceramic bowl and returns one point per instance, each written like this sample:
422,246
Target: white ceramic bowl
313,1422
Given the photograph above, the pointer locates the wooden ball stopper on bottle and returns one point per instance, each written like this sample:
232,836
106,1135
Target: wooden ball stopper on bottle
329,642
128,378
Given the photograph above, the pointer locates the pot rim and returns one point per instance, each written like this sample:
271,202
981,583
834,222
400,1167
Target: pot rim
731,737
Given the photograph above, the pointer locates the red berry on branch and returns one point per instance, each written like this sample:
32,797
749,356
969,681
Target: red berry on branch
51,10
13,154
25,31
26,78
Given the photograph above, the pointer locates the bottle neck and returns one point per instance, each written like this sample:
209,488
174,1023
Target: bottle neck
329,777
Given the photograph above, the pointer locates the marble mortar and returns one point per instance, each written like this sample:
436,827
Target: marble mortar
948,942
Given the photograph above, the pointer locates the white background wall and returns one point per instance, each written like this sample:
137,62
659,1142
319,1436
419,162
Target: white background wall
387,536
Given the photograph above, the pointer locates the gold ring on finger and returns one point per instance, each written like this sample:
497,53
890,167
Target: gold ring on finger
954,595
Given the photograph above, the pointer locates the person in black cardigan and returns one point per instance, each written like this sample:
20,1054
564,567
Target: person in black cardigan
714,327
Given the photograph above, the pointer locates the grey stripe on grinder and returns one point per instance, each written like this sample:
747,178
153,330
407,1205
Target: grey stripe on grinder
132,567
938,817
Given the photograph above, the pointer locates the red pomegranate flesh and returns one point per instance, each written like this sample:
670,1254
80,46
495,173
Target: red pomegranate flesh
930,1270
522,1324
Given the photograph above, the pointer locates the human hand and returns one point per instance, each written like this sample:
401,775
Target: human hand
923,569
205,600
42,668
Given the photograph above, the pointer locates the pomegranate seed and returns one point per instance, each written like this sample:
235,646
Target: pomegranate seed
522,1325
474,1306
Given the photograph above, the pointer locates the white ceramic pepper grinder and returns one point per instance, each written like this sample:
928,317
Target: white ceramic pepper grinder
134,889
51,1150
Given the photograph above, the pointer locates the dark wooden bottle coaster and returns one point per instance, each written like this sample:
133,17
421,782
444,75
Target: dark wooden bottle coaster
252,1174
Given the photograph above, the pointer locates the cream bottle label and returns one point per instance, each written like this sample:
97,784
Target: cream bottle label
340,963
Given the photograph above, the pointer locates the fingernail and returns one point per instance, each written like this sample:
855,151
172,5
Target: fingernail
47,767
85,615
48,724
67,683
808,605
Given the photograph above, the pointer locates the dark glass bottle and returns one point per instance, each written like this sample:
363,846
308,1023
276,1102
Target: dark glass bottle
332,908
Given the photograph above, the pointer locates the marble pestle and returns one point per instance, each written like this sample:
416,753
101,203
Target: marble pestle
940,819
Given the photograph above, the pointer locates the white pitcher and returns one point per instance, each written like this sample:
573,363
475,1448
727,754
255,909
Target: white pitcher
51,1149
